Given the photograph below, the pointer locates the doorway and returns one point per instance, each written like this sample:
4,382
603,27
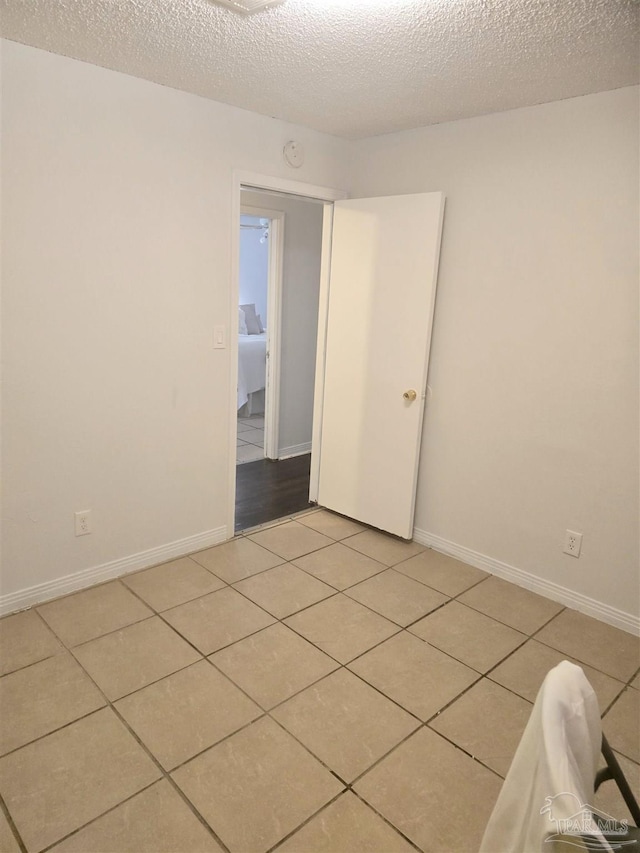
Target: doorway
394,267
280,248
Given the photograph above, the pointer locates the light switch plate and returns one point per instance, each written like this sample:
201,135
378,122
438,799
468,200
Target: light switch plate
219,337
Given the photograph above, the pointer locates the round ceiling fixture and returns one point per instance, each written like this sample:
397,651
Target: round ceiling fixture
293,153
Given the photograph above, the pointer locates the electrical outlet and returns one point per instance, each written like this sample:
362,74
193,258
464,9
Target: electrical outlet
572,543
83,522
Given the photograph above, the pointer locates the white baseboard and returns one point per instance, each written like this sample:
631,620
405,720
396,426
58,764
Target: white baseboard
294,450
575,600
24,598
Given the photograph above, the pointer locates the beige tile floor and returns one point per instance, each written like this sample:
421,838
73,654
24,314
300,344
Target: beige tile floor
250,441
309,687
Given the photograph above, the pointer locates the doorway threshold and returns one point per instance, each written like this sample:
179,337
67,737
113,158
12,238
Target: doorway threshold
269,490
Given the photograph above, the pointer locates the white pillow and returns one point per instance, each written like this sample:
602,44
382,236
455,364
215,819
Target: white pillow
242,323
251,318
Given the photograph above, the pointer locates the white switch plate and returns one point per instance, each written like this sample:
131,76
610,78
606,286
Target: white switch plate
219,337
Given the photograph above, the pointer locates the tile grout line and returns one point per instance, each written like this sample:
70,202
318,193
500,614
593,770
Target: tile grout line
93,820
12,827
164,774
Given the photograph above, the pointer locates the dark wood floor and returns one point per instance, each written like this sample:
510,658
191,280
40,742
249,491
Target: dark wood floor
267,490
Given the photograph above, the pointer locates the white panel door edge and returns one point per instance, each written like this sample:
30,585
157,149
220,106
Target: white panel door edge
384,264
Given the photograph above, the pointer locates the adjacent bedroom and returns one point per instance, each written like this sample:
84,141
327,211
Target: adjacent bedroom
278,288
252,337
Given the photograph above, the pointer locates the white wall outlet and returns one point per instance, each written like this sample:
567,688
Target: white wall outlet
83,522
572,543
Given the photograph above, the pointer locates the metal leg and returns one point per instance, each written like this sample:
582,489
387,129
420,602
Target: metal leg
614,771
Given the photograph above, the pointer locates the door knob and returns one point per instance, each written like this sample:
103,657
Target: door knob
410,395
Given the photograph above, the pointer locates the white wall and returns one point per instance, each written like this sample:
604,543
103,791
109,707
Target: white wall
116,205
300,294
116,216
532,426
254,267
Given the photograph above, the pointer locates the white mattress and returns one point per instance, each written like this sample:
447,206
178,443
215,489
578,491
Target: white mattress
252,365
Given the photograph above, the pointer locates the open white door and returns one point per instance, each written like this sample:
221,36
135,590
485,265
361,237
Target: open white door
384,264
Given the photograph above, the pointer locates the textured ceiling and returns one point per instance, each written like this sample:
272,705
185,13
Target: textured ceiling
353,68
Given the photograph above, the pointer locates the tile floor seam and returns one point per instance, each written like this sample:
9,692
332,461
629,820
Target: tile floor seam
217,743
305,822
71,649
14,829
582,662
368,607
382,642
98,817
488,673
271,525
381,692
330,770
385,819
155,680
349,586
162,678
172,606
167,775
624,755
62,651
107,701
145,618
451,702
34,609
267,711
549,621
187,556
37,604
207,654
298,556
294,612
394,538
409,624
28,665
112,703
388,753
235,683
466,690
248,532
465,751
473,585
348,790
351,660
459,660
227,583
189,600
613,701
58,728
364,681
501,621
435,589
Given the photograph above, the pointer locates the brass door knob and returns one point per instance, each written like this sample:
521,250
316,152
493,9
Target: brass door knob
410,395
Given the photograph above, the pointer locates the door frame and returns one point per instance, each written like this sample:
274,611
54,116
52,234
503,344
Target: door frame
274,321
254,181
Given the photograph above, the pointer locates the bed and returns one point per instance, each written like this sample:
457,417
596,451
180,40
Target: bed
252,366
